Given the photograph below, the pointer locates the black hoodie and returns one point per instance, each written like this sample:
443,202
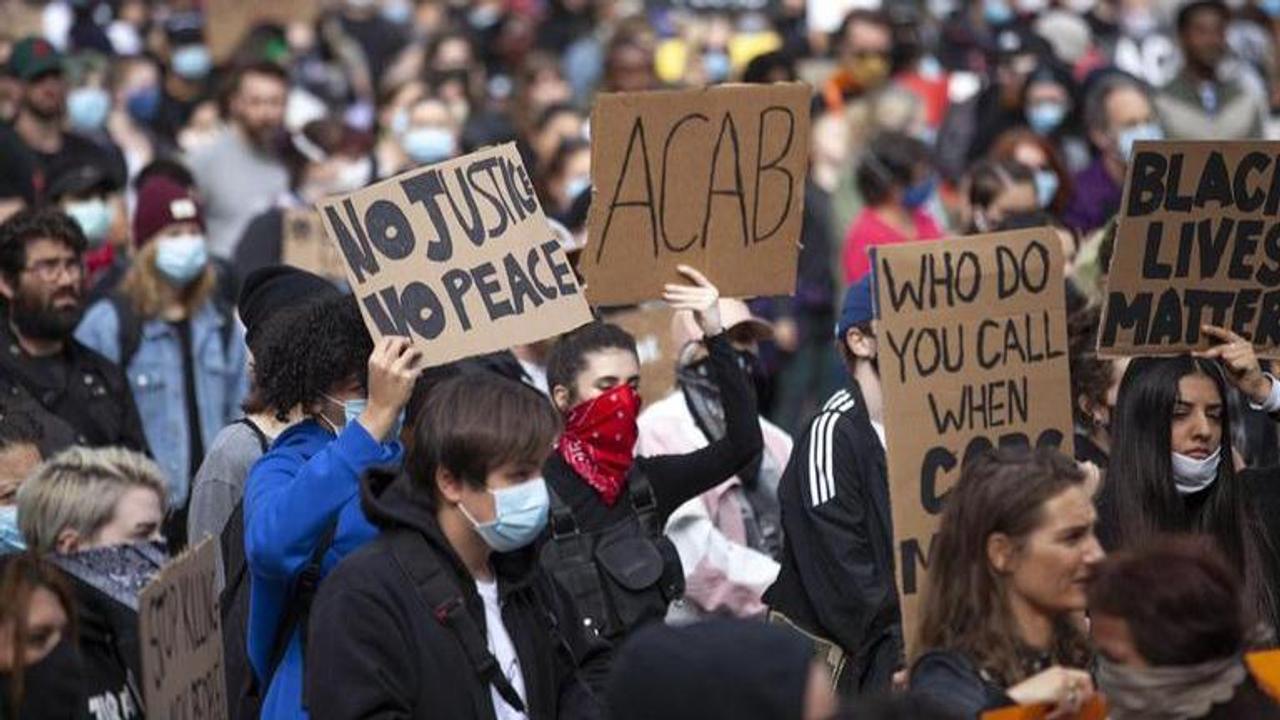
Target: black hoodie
375,650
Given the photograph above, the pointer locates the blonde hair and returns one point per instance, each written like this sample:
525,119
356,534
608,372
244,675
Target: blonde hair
146,288
79,489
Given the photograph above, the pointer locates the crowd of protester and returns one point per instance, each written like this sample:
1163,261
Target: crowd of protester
522,535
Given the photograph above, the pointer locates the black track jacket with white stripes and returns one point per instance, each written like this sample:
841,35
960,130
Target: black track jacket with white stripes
837,567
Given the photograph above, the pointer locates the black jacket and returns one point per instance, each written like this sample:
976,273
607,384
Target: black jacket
92,403
676,478
375,651
836,579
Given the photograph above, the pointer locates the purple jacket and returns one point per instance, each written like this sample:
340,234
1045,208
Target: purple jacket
1095,200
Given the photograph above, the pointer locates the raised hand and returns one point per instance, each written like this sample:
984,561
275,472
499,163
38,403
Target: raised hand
701,297
1240,362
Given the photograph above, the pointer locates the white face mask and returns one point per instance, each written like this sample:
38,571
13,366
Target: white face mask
1191,475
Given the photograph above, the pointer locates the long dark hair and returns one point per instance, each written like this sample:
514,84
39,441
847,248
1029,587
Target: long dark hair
1140,500
21,576
965,608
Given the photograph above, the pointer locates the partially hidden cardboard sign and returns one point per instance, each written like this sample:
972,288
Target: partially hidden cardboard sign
1198,242
180,631
457,256
228,21
972,339
304,245
712,178
650,325
1095,708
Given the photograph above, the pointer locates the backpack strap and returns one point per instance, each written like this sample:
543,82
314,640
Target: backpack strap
263,441
298,604
438,591
644,501
231,539
128,328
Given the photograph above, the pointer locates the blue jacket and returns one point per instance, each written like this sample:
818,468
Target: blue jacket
293,492
155,377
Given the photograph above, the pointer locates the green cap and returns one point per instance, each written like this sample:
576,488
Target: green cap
32,57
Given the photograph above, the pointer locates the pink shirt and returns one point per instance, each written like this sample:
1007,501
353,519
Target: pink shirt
868,230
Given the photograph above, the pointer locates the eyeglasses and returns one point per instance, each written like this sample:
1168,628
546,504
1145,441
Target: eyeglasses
50,268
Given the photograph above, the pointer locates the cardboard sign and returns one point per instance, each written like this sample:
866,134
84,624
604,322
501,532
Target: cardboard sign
228,21
650,325
973,354
1198,242
712,178
1095,708
180,630
305,246
458,257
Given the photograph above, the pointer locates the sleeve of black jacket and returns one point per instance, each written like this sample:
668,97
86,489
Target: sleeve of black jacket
679,478
359,663
825,491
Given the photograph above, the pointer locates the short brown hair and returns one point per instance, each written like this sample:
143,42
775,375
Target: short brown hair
1179,597
476,422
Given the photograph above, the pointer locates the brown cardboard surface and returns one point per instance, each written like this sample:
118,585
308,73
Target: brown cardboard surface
457,256
712,178
956,345
180,631
227,21
304,245
650,324
1198,242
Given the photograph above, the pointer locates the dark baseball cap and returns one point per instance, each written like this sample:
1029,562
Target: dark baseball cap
32,57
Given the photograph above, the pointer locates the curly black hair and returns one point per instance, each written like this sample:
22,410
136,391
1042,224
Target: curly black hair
304,352
38,224
1090,374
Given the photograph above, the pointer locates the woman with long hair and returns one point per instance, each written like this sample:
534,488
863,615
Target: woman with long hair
1173,468
38,677
183,352
1000,619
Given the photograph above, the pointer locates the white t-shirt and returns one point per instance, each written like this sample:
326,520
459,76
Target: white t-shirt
503,651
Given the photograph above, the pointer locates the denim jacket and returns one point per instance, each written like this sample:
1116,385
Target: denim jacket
155,376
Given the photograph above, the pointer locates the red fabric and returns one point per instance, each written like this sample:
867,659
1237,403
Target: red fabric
163,202
599,440
868,230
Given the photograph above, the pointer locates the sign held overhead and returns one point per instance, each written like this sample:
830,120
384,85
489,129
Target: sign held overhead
712,178
1197,243
457,257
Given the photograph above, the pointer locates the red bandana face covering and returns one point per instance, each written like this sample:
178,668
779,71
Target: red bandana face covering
599,438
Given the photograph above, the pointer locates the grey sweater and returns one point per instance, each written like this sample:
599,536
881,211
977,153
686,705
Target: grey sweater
219,484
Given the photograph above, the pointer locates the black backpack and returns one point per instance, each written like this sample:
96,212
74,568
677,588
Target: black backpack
244,693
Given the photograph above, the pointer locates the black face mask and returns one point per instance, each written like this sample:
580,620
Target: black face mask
703,398
51,688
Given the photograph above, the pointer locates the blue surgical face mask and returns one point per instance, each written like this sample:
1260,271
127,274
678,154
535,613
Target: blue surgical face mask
10,535
1046,186
352,410
997,12
1130,135
1045,117
87,108
399,12
427,145
1191,475
192,62
181,259
1270,7
143,104
519,515
717,65
94,216
917,195
576,186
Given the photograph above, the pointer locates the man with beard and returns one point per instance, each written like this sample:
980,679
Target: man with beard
836,583
78,396
240,173
36,147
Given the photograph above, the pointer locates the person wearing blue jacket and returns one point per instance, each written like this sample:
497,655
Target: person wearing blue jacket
310,478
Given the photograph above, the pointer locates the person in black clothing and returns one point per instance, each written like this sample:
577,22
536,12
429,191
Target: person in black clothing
39,666
601,494
1173,465
35,147
78,396
836,582
407,625
186,74
1001,618
1174,649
